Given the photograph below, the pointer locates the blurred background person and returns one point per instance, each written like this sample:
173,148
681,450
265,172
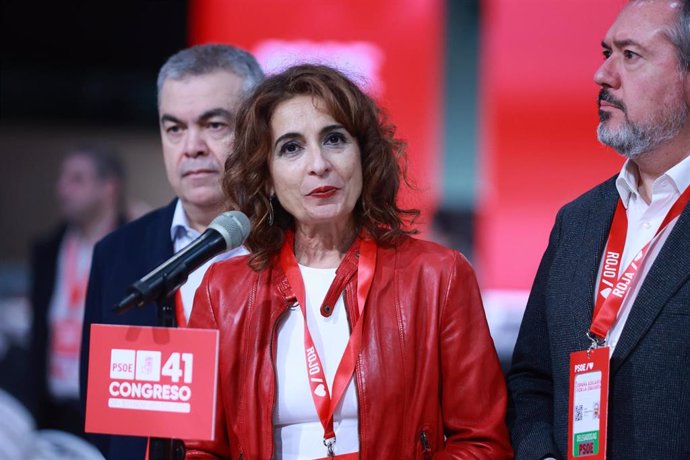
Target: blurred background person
394,359
90,195
199,91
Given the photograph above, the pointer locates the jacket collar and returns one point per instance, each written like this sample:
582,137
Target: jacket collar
158,240
591,235
670,270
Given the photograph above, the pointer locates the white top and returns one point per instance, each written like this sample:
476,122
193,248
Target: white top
297,430
643,222
182,234
65,315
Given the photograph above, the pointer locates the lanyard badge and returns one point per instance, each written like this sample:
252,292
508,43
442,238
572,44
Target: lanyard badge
589,369
588,403
326,400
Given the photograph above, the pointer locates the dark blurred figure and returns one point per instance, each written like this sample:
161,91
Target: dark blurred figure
90,197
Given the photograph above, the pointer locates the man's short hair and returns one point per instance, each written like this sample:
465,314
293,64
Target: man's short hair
106,161
206,59
108,166
679,34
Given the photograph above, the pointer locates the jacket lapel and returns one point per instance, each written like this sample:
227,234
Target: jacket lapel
670,270
159,248
593,236
158,239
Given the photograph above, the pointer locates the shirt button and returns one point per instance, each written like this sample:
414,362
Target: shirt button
646,225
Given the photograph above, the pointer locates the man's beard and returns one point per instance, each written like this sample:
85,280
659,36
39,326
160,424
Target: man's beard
633,139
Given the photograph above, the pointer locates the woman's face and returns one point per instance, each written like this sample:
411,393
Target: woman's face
314,163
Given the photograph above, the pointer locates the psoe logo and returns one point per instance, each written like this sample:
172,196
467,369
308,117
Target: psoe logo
584,367
138,381
122,364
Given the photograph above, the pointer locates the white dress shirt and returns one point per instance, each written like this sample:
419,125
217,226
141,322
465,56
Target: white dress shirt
182,234
643,222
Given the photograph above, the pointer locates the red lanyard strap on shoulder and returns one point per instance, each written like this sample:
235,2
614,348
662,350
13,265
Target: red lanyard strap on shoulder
326,401
76,274
616,287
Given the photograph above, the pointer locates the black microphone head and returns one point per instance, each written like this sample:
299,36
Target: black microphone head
234,226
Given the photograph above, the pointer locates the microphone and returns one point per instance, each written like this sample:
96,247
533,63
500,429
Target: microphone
227,231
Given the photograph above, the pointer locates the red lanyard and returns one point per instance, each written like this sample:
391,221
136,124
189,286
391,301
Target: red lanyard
323,401
76,276
607,306
179,309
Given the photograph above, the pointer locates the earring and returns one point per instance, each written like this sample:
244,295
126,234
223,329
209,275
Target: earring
270,210
365,208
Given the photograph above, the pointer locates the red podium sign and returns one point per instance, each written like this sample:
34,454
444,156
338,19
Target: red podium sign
152,381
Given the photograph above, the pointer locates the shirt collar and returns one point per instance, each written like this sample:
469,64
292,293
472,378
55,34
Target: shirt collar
180,227
680,175
626,182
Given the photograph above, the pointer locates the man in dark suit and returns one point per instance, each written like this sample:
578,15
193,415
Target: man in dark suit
199,91
89,194
643,111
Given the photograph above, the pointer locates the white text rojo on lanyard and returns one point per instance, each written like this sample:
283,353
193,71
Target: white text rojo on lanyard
589,369
327,401
613,288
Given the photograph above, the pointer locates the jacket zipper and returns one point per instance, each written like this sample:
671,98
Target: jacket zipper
426,447
274,336
355,375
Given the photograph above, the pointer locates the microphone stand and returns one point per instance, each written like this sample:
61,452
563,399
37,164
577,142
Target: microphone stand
162,284
164,448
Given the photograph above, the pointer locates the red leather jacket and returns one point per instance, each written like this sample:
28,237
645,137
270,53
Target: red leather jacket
428,379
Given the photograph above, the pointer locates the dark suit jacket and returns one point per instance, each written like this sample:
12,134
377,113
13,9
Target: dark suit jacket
649,392
119,260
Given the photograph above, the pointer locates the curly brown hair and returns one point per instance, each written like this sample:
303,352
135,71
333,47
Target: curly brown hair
247,179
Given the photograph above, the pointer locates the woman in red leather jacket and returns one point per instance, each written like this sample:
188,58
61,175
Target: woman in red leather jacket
340,334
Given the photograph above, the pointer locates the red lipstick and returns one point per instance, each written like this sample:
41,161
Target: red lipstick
323,192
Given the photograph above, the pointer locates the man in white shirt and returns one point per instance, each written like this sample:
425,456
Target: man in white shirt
645,282
199,92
